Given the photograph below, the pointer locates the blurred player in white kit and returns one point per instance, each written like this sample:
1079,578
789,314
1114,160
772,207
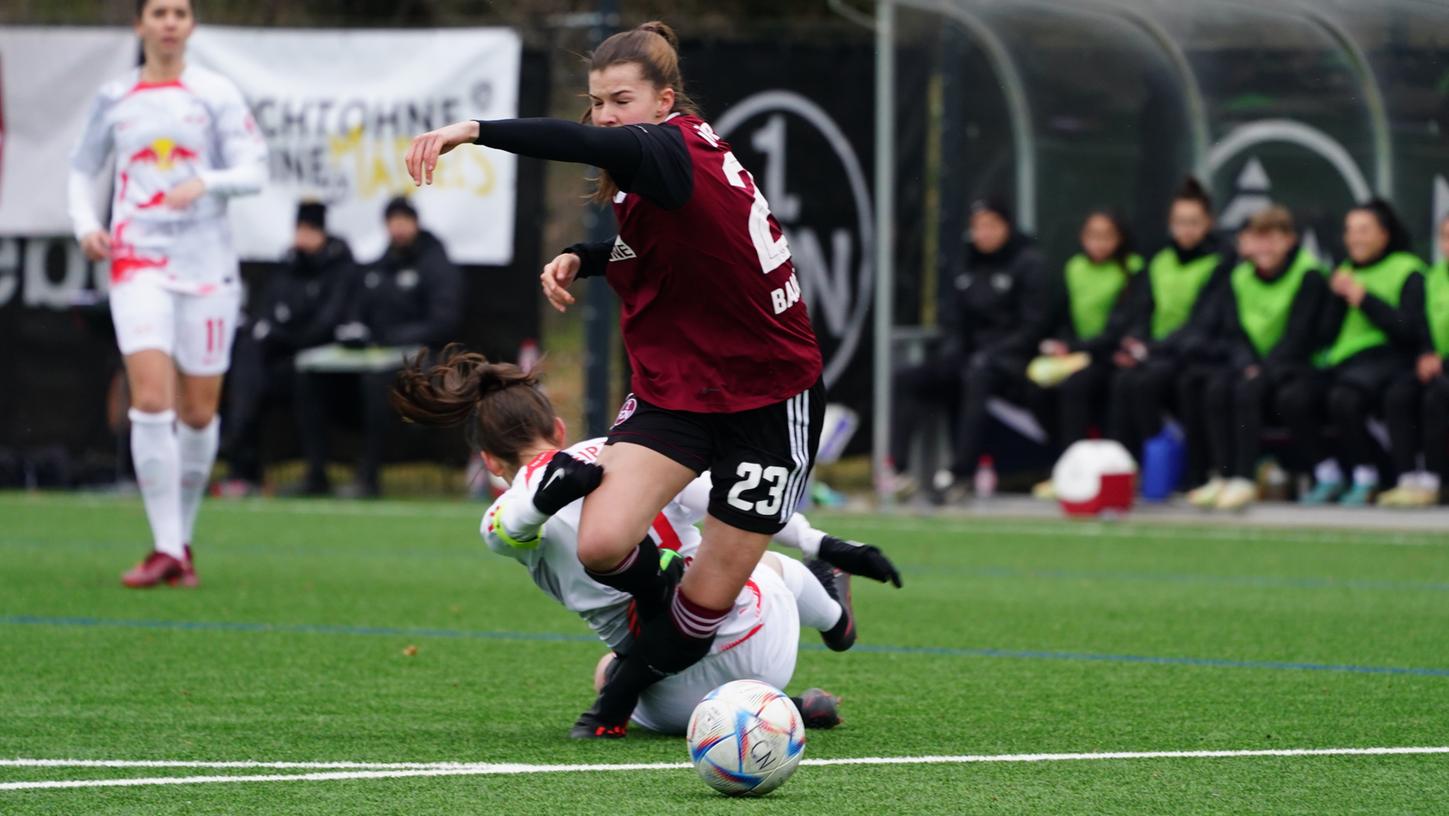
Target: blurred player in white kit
183,143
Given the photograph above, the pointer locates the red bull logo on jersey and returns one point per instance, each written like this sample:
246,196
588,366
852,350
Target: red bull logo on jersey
164,154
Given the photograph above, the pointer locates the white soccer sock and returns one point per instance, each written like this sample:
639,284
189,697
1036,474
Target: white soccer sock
817,609
1365,475
1328,471
197,449
158,472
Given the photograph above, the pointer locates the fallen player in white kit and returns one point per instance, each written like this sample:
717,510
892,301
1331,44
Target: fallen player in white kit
760,638
536,523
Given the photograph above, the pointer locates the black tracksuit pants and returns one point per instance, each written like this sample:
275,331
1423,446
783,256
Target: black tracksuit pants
1418,418
1081,398
919,391
1190,389
256,382
1138,398
1236,406
1351,392
1143,394
324,397
985,377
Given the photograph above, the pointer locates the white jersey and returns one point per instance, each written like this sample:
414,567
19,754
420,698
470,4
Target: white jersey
162,134
551,554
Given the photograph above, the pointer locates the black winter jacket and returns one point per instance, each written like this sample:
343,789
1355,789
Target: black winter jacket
412,296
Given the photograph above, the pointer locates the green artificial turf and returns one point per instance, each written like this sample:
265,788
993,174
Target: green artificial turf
1009,638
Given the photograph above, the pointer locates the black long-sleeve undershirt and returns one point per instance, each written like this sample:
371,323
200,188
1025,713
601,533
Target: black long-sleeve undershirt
649,160
593,256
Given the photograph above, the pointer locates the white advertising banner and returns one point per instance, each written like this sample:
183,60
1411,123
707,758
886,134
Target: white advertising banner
48,79
337,108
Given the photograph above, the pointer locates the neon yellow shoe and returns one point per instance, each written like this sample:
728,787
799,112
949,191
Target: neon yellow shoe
1408,496
1206,497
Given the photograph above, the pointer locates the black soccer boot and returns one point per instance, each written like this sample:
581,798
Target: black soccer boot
841,636
818,708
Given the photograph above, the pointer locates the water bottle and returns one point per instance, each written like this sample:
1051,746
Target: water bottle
528,355
985,484
1163,461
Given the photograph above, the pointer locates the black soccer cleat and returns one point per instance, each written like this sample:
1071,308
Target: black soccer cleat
841,636
818,708
590,727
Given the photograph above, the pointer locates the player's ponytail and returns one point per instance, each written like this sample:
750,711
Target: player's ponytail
499,404
662,29
654,47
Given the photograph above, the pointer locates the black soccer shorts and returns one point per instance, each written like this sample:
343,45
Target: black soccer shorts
759,460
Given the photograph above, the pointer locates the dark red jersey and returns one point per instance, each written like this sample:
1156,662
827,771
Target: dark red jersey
712,317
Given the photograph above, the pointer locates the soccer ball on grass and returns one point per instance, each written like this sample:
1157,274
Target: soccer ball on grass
746,738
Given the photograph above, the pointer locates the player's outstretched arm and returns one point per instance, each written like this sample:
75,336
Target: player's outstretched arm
865,560
515,518
565,481
616,150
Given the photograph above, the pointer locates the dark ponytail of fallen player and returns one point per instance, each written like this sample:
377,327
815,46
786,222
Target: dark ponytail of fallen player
654,47
499,404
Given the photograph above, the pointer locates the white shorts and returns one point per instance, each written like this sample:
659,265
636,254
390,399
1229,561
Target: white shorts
768,654
195,330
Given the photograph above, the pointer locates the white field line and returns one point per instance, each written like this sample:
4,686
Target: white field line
394,770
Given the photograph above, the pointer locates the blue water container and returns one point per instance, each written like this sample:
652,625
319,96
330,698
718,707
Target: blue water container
1163,461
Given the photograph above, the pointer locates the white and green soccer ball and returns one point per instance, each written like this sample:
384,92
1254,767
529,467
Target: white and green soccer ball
746,738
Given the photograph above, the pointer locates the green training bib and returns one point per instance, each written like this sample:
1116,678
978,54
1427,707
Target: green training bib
1384,280
1093,289
1264,305
1175,288
1436,298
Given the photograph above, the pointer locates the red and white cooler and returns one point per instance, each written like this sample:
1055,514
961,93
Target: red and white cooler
1095,477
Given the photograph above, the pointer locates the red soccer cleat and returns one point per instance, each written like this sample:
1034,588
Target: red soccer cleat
187,578
157,567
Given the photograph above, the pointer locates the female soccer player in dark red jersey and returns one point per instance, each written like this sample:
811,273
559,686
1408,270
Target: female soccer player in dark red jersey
726,368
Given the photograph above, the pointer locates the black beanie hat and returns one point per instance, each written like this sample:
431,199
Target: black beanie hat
994,204
400,206
313,214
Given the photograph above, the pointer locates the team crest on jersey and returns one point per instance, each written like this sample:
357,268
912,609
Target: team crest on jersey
621,251
626,410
